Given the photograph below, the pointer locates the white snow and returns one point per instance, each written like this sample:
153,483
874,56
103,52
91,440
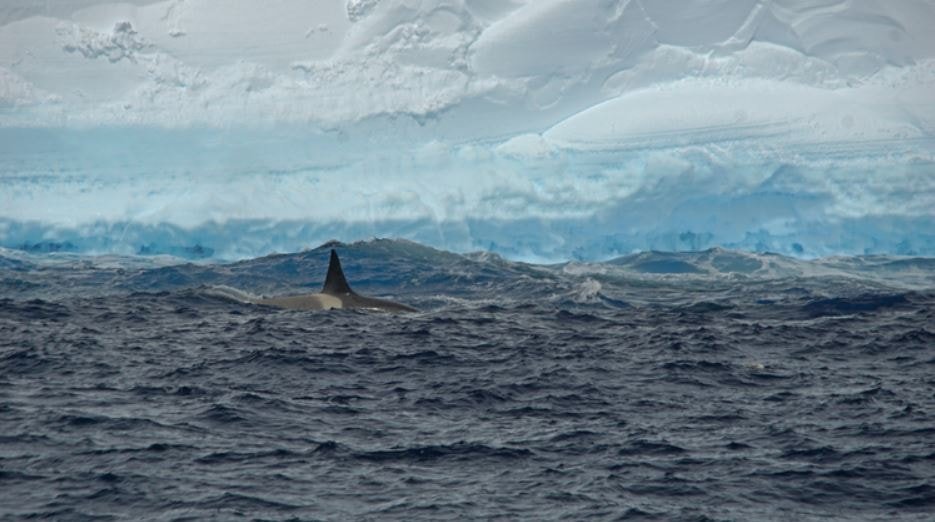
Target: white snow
542,129
710,110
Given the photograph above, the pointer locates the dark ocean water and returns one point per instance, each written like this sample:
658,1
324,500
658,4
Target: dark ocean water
703,386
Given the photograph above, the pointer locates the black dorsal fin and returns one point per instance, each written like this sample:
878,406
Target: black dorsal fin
335,283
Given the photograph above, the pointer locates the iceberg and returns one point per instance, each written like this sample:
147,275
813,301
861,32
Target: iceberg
541,130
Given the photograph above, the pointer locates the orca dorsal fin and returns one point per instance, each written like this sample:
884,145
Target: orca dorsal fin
335,283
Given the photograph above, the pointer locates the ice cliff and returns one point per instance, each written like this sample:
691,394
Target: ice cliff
539,129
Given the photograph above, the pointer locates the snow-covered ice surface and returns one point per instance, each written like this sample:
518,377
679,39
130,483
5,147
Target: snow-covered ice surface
542,130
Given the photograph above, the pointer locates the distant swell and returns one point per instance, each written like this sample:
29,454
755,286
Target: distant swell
850,305
456,452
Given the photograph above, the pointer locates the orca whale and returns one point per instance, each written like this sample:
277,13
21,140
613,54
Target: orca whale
336,293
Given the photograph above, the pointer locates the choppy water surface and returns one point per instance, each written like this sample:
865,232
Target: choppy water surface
706,386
